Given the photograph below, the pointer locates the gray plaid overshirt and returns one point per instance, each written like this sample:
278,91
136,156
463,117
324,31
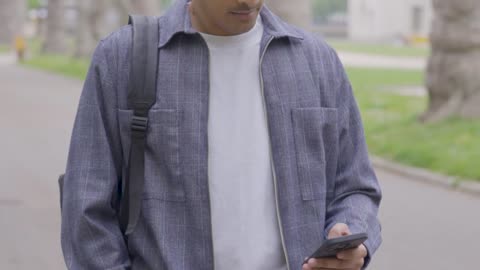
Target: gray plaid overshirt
319,153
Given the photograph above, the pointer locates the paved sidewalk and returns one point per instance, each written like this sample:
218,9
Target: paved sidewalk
37,112
7,59
426,227
350,59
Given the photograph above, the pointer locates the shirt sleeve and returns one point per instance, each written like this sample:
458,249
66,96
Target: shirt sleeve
357,193
90,235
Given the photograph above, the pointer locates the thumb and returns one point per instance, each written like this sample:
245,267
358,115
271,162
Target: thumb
340,229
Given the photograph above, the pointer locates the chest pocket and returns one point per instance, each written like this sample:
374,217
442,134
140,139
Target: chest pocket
316,140
162,161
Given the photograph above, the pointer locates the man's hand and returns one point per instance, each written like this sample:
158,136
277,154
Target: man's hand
352,259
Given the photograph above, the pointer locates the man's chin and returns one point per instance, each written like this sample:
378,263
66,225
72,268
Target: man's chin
242,30
242,27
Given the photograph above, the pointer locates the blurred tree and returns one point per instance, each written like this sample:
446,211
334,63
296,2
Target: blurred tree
165,3
55,36
122,7
453,73
12,17
144,7
323,8
90,14
299,13
32,4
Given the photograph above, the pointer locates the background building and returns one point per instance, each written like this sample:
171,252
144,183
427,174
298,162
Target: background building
389,20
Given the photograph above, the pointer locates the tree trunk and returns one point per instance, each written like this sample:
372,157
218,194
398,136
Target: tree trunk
298,13
55,36
125,7
141,7
145,7
453,73
122,9
12,17
92,24
84,40
97,22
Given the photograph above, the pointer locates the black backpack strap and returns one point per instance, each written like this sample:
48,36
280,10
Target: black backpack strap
141,97
60,186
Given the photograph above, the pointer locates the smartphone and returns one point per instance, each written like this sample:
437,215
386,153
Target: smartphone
331,247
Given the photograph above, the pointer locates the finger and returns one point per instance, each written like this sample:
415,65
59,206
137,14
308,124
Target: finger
307,267
332,263
322,268
329,263
340,229
326,269
356,261
353,254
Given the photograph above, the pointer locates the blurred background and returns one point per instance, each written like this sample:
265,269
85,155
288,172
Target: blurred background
414,66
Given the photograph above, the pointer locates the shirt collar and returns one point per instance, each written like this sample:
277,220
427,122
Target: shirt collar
177,20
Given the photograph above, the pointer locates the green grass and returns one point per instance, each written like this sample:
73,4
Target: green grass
4,48
380,49
33,4
60,64
393,131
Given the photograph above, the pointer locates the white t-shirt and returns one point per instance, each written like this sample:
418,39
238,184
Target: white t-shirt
246,233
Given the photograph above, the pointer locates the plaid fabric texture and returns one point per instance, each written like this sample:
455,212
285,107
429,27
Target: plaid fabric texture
320,157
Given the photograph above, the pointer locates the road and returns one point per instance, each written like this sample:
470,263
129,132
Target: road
424,227
37,110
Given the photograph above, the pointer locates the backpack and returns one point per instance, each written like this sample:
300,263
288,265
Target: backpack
141,97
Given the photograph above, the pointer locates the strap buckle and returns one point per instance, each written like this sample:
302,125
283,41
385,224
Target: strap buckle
139,124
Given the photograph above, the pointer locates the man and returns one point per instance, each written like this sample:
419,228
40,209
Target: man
255,150
20,47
